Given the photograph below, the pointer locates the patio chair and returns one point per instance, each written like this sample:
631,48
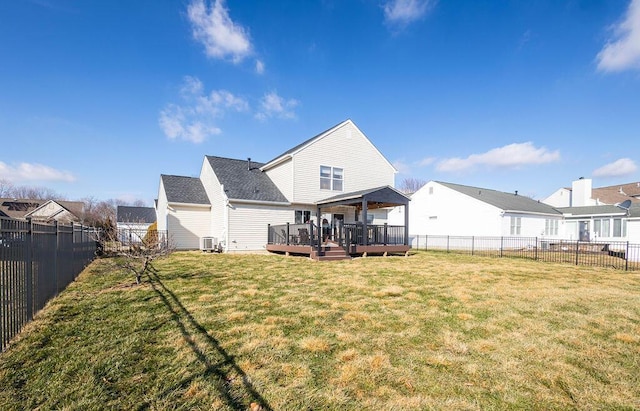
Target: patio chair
303,236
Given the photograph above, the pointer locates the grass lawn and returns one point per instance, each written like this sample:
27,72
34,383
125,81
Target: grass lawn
237,332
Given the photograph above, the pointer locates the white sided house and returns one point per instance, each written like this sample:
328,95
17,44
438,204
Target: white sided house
233,202
446,209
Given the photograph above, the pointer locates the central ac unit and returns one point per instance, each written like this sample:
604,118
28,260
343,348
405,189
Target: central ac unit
209,244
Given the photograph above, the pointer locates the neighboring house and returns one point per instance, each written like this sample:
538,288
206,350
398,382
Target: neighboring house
133,222
234,201
440,208
609,213
135,218
582,194
42,210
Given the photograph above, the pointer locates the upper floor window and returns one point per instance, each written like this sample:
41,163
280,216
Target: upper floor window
331,178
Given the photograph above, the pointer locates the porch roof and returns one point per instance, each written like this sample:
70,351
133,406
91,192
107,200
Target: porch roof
379,197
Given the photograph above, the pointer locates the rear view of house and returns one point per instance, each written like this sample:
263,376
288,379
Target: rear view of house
233,201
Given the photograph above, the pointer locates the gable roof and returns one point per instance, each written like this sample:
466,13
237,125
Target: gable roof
504,201
617,194
379,197
23,207
127,214
187,190
75,208
242,183
289,153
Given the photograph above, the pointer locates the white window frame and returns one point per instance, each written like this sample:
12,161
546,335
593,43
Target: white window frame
331,178
516,225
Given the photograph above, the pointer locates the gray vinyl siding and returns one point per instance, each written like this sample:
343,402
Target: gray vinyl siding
283,177
248,225
347,148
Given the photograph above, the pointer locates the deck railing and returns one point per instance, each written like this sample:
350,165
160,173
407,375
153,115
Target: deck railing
343,234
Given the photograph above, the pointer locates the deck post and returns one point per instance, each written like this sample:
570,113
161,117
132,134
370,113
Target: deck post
365,231
269,234
288,234
319,235
386,238
406,224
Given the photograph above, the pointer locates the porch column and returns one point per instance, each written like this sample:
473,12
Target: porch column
319,232
406,224
365,231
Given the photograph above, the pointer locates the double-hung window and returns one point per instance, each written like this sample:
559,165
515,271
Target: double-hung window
331,178
303,216
516,223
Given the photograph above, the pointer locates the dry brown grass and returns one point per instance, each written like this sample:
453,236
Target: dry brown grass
432,331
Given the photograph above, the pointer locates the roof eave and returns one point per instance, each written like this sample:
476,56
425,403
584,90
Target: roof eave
174,203
276,162
261,202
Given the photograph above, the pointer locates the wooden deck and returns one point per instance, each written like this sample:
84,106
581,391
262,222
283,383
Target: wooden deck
332,251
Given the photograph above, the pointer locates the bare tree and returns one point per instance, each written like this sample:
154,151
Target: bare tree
136,252
411,185
6,188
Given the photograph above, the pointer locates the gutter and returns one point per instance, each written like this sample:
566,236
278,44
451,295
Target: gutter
188,204
260,202
533,212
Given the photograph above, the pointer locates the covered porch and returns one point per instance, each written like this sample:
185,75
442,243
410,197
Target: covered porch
345,240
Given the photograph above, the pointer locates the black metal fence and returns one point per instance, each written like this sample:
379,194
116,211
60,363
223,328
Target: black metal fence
37,261
621,255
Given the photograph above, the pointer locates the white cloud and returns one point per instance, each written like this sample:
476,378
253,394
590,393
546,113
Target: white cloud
195,119
33,172
622,52
272,105
404,12
618,168
509,156
259,67
221,37
426,161
402,167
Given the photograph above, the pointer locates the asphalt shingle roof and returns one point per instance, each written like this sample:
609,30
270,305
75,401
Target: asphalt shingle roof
242,183
127,214
502,200
187,190
592,210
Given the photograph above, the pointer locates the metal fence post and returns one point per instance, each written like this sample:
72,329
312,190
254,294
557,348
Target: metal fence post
448,243
626,258
577,251
28,265
501,245
472,244
536,248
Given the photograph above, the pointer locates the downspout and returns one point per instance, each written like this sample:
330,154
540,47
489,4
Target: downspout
225,219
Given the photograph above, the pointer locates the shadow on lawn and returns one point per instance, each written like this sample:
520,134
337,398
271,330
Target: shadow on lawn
218,363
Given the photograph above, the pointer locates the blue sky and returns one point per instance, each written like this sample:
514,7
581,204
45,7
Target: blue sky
98,98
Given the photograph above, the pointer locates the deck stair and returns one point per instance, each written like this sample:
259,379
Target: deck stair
330,252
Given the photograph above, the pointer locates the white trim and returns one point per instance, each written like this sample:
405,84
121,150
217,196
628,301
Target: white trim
271,203
188,204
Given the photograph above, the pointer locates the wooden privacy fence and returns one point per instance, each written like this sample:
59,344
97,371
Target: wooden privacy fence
616,254
37,261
